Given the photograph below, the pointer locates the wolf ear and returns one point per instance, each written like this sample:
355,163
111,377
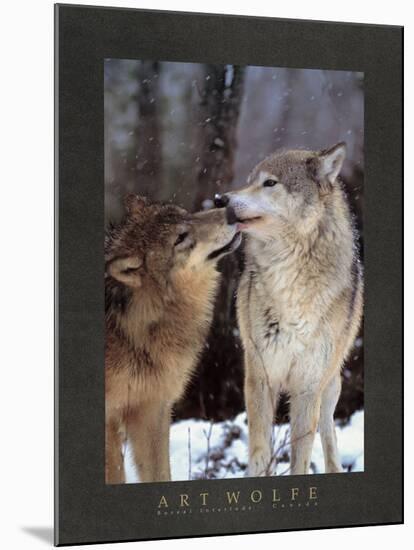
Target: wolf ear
326,165
135,203
126,270
332,160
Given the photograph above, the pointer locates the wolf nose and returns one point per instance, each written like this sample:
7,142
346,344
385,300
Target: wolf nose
231,215
220,201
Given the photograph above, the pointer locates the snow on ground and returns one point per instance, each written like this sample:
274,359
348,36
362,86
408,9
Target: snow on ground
201,449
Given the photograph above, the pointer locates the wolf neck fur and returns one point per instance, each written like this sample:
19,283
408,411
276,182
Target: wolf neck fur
314,250
168,306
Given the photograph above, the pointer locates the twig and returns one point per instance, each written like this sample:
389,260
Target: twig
208,437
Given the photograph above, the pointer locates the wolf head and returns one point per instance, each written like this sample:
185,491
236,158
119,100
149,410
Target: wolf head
289,187
154,240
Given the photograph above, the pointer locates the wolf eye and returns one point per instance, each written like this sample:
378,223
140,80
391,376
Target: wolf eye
269,183
181,237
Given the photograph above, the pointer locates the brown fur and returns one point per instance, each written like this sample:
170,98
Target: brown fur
160,289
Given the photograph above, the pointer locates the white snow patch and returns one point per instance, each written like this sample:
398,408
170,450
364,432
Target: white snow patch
225,443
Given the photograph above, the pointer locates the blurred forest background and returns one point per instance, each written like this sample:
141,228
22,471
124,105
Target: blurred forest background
182,132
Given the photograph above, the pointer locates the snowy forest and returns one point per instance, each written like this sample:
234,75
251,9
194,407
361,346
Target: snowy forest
182,132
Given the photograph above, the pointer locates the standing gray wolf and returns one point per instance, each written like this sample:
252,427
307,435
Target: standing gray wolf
160,285
299,300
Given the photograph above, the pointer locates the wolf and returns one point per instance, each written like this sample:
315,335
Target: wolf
299,301
160,284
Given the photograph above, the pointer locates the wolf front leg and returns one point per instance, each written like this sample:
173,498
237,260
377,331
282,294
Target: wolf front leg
149,433
304,417
330,398
114,460
261,403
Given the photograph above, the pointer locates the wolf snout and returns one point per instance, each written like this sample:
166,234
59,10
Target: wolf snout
220,201
231,215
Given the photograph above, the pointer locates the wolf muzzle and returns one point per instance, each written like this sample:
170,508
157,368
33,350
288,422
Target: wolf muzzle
221,201
231,215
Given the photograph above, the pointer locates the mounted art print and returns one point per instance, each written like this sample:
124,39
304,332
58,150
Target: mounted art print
228,275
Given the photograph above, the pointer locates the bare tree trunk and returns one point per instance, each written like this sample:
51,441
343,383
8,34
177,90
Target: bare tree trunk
148,158
282,136
220,109
217,392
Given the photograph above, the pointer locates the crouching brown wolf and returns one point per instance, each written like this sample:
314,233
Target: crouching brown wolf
160,284
299,300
